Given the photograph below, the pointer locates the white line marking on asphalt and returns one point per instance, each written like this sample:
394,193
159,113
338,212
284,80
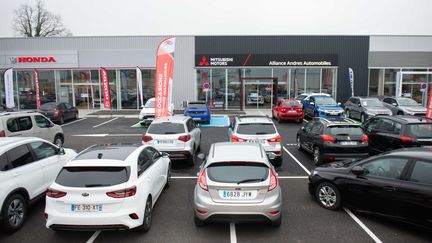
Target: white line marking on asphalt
364,227
93,237
103,123
73,122
126,135
293,177
296,160
233,236
291,144
91,135
184,177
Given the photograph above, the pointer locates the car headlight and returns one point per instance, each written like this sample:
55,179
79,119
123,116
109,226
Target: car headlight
313,172
370,113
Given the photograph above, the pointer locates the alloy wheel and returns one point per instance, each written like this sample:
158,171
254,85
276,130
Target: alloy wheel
16,212
316,156
327,196
148,213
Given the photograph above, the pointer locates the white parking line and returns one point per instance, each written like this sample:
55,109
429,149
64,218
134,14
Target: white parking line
293,177
233,235
108,135
103,123
291,144
93,237
82,119
296,160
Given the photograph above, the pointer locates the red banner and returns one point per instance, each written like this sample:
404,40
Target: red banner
429,105
105,89
164,77
36,79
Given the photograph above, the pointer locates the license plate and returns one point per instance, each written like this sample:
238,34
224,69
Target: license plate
261,141
237,194
292,111
86,207
196,119
165,141
348,143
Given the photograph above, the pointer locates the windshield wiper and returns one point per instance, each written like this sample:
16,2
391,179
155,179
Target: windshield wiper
251,180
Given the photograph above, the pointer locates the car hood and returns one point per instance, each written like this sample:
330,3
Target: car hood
147,111
330,108
413,108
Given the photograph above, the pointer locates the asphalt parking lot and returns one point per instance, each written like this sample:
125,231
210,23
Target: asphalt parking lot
303,219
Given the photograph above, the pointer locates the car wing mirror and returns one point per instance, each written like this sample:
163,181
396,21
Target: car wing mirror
201,156
357,170
61,151
165,154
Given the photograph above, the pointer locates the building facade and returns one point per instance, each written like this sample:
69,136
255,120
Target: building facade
226,71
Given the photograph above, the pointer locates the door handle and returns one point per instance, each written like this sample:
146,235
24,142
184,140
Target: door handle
16,174
389,188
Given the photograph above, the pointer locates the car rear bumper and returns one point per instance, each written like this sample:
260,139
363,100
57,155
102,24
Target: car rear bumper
291,116
343,156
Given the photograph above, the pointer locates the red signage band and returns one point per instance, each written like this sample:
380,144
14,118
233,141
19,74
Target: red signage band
164,77
36,59
105,89
36,78
429,105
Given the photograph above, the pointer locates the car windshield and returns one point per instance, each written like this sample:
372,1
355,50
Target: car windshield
48,106
345,131
325,101
291,103
150,104
407,102
253,94
93,176
371,103
420,130
256,128
197,105
166,128
237,172
300,97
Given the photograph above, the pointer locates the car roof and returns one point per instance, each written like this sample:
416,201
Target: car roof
232,151
337,121
11,140
107,152
11,113
418,153
173,119
254,119
408,119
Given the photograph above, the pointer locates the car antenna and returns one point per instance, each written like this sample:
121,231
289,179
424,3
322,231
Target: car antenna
100,155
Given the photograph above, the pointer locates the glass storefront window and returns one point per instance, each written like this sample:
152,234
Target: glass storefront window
217,93
375,81
25,90
297,81
128,89
234,88
47,87
65,93
390,77
313,77
148,77
282,77
328,81
411,85
2,92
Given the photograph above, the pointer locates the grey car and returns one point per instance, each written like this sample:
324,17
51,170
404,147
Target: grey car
364,108
237,183
404,106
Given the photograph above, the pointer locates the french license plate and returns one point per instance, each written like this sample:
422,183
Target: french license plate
348,143
86,207
292,111
165,141
237,194
196,119
262,141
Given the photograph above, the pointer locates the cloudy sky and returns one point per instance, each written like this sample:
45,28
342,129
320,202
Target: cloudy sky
234,17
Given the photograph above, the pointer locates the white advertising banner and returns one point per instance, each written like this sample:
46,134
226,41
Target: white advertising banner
351,80
139,82
9,89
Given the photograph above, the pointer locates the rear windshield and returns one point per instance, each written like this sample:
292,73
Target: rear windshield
256,128
93,176
234,172
344,130
197,105
48,106
166,128
291,103
149,104
423,130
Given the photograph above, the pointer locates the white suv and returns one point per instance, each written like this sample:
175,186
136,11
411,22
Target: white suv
30,124
176,135
27,167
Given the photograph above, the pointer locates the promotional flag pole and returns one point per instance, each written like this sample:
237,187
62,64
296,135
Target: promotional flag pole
36,79
106,90
9,93
351,80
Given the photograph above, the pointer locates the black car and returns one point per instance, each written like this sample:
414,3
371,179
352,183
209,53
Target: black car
397,185
393,132
59,112
333,139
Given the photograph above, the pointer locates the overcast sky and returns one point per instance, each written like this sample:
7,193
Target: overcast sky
234,17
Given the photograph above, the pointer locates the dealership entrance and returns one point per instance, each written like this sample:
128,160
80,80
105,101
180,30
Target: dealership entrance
414,85
258,93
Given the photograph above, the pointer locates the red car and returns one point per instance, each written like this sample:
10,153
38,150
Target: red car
288,110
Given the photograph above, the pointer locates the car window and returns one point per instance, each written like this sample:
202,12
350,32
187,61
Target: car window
93,176
422,172
20,156
420,130
317,128
166,128
385,167
144,161
233,172
344,130
62,106
387,100
42,122
388,126
12,125
24,123
4,163
291,103
256,128
43,150
68,106
308,126
153,153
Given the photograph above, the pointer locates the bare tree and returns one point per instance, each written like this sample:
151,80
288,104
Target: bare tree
37,21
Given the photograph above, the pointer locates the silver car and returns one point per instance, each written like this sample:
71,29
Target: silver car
176,135
258,129
404,106
237,183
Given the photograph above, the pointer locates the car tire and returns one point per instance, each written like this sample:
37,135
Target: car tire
18,205
147,218
76,116
299,147
198,222
58,140
278,161
317,156
191,159
347,112
328,196
277,223
61,120
362,118
168,180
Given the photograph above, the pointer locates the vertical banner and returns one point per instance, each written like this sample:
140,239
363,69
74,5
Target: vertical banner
429,105
105,89
9,90
164,77
351,80
36,79
139,86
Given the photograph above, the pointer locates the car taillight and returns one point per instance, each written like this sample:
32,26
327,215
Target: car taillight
184,138
273,180
406,139
128,192
2,133
283,109
55,193
202,181
275,139
234,138
328,138
364,139
56,112
146,138
298,109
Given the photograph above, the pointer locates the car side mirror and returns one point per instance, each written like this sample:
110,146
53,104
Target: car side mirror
61,151
339,103
312,103
357,170
165,154
394,104
201,156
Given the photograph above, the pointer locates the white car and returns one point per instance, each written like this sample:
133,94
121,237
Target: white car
255,98
176,135
108,187
147,113
27,167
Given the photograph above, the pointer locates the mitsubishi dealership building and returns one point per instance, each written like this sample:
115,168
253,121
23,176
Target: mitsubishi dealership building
223,70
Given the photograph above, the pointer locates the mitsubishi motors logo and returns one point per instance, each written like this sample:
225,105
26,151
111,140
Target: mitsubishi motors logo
203,61
30,59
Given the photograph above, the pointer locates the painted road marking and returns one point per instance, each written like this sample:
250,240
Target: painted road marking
296,160
82,119
93,237
103,123
233,235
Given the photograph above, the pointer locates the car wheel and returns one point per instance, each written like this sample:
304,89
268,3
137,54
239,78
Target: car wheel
328,196
278,161
198,222
61,120
58,140
14,213
299,147
317,156
167,183
348,113
147,219
76,116
362,118
277,222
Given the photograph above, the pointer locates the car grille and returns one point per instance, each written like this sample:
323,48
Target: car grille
148,116
196,112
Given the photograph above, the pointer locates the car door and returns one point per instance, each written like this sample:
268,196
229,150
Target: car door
357,108
27,171
391,104
43,128
147,172
310,109
157,161
305,135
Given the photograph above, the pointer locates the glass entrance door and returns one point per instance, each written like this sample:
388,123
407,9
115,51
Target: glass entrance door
87,96
414,84
258,94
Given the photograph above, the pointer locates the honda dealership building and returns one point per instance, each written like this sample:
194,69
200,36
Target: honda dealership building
226,71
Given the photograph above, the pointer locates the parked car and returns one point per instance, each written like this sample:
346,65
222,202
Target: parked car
231,93
258,129
254,98
108,187
288,110
147,112
237,182
199,111
404,106
30,124
176,135
322,106
396,185
305,96
393,132
59,112
27,167
333,139
364,108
